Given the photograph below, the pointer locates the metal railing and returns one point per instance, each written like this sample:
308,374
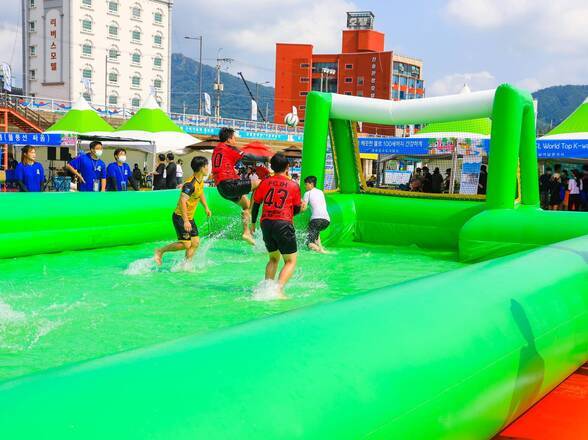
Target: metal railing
125,112
13,102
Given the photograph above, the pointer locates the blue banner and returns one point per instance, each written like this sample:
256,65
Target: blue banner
244,134
423,146
546,149
562,148
37,139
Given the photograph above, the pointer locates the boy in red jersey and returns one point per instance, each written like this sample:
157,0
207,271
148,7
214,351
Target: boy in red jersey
224,158
281,202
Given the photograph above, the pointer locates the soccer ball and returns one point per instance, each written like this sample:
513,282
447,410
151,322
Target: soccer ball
291,120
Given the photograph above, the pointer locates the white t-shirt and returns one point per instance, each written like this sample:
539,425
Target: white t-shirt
179,171
573,186
316,200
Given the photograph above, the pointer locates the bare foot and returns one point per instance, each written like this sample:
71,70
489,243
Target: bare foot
281,295
249,239
157,257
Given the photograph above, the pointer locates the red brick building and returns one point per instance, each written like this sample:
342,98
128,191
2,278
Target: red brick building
363,68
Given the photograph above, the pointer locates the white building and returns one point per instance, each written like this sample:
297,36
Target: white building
113,51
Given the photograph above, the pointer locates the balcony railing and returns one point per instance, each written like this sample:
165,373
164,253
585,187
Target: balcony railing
126,112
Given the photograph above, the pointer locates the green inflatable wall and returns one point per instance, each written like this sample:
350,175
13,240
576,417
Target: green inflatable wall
453,356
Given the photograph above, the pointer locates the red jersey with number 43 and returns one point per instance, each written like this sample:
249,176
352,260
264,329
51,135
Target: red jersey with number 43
224,159
279,196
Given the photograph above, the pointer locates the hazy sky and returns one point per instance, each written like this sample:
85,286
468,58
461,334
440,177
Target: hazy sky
531,43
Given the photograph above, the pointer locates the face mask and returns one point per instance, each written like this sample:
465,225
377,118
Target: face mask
98,153
122,159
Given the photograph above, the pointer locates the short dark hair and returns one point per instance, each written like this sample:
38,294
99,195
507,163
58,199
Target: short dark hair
279,162
198,162
161,156
170,156
118,151
94,144
311,180
225,134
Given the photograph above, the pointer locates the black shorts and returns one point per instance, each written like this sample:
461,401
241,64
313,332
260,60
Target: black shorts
234,189
182,234
279,235
315,227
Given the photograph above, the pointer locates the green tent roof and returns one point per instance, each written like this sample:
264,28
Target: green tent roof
81,119
480,126
577,122
150,118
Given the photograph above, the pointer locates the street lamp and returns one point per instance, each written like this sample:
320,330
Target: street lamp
199,73
257,89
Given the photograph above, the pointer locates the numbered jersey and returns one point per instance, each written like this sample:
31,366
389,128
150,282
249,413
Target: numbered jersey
224,159
279,196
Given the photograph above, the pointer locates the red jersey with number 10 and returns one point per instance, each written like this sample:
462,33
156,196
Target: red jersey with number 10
224,159
279,196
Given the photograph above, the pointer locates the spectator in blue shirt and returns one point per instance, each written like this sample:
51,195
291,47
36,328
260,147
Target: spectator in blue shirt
90,170
29,175
118,173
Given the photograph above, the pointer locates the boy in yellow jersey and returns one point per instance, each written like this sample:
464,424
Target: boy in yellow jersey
183,216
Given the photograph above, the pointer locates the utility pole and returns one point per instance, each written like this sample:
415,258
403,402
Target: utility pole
218,85
199,74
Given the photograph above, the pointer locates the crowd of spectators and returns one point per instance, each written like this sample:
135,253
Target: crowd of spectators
564,190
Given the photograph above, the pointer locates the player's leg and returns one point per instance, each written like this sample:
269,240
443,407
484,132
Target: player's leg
172,247
272,265
194,243
288,269
246,219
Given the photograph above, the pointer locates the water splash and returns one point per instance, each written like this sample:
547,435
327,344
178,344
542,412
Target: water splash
267,290
9,315
140,267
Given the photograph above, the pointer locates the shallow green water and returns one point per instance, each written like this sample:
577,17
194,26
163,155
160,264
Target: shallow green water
61,308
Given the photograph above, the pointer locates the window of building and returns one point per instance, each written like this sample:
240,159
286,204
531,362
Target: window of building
158,17
304,79
157,83
158,62
420,84
113,99
136,101
33,3
403,80
113,54
317,67
32,26
157,39
136,80
33,74
33,51
395,79
87,96
394,94
360,80
301,107
348,66
304,65
87,73
113,77
87,3
113,7
348,80
136,12
402,95
136,58
303,93
411,83
348,93
359,93
113,30
87,24
136,35
87,49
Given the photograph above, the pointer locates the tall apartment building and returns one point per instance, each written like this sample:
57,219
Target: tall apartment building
363,68
111,51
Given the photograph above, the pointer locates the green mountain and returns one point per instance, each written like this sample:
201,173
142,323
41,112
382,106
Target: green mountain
557,103
235,100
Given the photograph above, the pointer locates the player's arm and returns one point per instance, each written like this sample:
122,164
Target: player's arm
205,204
103,177
74,171
305,201
296,202
43,181
258,197
187,191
